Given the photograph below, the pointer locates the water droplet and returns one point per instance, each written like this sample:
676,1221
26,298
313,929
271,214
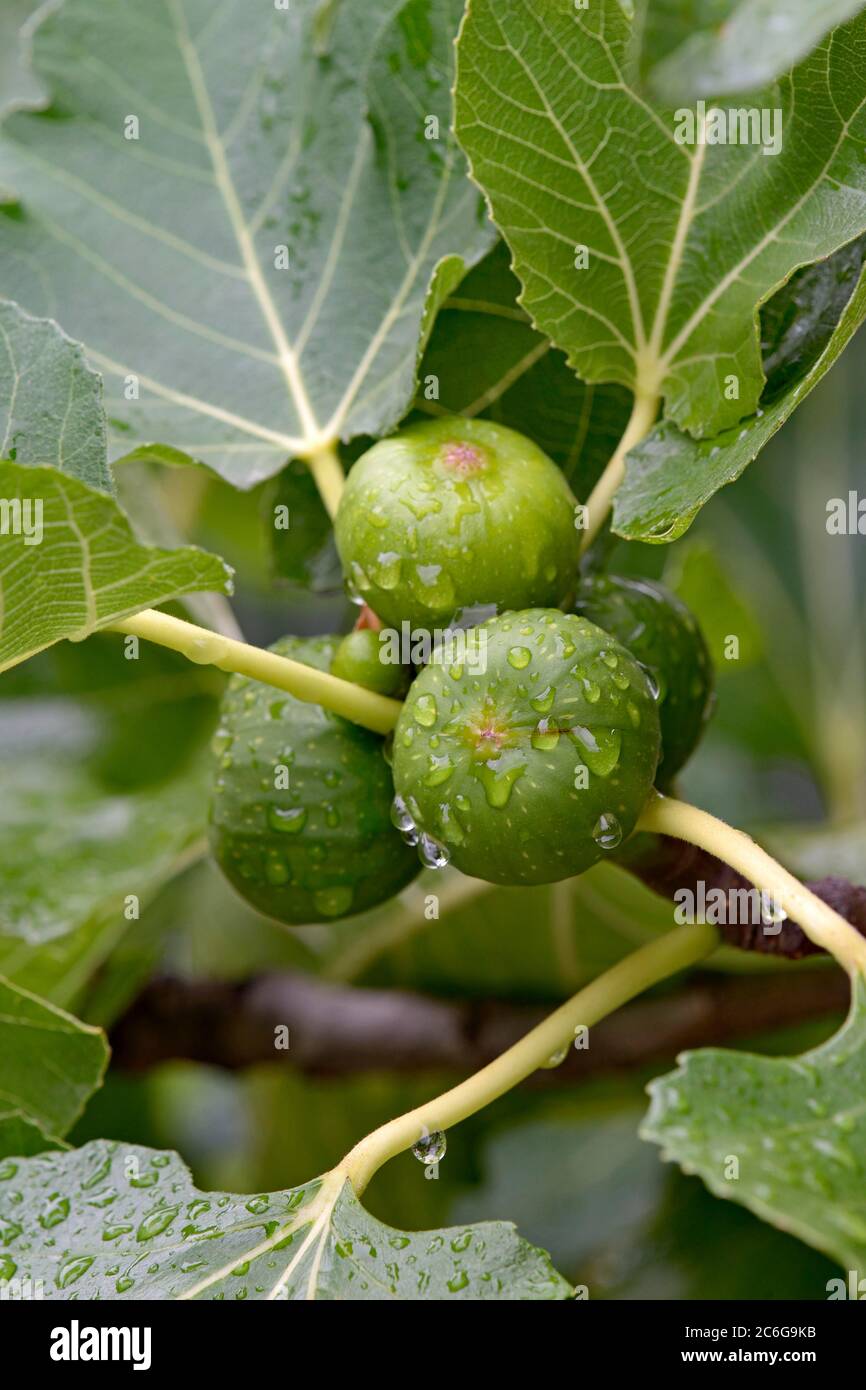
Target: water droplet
257,1205
222,740
55,1212
542,703
544,738
388,569
600,748
592,691
519,657
435,588
124,1284
431,853
607,831
156,1222
440,770
556,1058
289,820
72,1269
771,911
652,681
425,711
114,1231
333,902
459,1281
497,777
430,1148
7,1266
276,870
402,818
610,659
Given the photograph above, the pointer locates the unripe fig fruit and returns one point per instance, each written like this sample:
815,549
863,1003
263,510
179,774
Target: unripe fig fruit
300,814
530,769
663,634
454,513
359,658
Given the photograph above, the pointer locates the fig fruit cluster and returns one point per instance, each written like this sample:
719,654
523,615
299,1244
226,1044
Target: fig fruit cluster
539,712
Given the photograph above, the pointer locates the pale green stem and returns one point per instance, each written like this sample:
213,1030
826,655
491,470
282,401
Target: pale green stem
327,471
643,414
665,816
669,954
354,702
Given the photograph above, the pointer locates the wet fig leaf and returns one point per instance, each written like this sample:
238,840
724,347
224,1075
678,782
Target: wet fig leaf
485,359
17,83
114,811
109,1220
713,47
50,1064
644,258
784,1136
50,400
71,563
669,476
209,191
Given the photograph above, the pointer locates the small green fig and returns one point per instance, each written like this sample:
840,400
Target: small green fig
663,634
454,514
362,658
536,761
300,819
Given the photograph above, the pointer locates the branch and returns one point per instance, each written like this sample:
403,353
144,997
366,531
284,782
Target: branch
340,1030
668,865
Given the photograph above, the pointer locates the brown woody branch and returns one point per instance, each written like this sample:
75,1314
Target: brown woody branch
339,1029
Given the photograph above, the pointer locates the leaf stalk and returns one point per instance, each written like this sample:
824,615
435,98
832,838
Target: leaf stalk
641,420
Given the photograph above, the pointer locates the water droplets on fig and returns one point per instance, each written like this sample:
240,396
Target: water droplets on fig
431,853
542,703
607,831
425,711
335,901
497,777
388,569
403,820
652,681
544,738
288,820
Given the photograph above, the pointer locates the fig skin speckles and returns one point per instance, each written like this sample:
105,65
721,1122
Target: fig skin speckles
455,513
322,847
663,634
538,766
